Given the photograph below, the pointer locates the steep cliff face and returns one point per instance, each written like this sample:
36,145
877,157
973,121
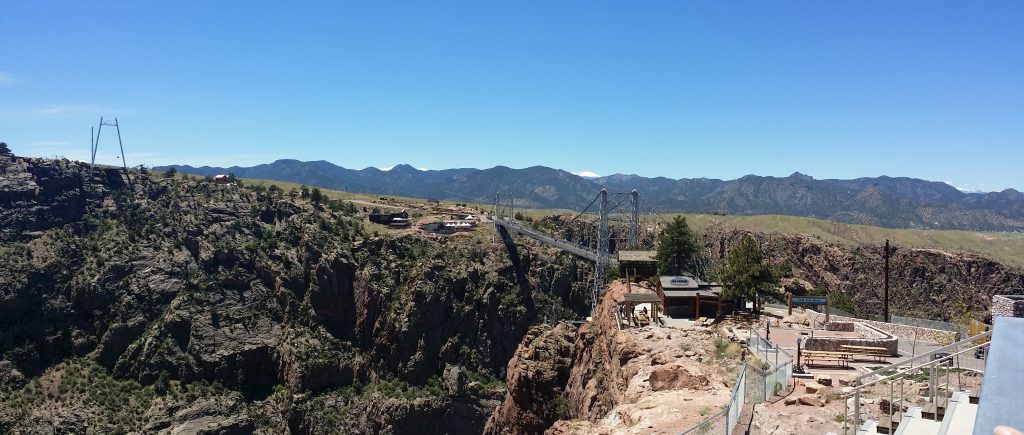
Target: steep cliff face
600,379
277,305
926,283
536,382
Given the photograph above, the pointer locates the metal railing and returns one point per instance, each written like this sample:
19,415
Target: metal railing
774,369
724,421
924,364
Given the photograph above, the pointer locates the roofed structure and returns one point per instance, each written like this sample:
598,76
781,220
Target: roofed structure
686,296
638,263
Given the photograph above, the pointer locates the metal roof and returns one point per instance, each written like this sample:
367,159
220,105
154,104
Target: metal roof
641,297
638,256
678,282
710,293
681,293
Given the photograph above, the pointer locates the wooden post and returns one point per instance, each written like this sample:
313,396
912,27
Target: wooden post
789,300
696,314
826,309
719,310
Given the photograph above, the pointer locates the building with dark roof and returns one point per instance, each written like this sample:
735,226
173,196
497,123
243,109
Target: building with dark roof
689,297
640,264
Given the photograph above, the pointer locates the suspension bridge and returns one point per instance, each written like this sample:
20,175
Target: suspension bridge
506,224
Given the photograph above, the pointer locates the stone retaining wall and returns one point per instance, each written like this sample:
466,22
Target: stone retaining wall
840,326
1007,306
869,336
906,332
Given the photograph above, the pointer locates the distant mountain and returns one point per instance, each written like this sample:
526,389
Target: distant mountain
894,202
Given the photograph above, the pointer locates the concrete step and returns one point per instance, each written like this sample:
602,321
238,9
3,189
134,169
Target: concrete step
888,424
975,394
936,410
960,416
868,428
913,423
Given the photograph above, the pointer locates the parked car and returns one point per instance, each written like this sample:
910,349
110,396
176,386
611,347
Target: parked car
940,355
981,352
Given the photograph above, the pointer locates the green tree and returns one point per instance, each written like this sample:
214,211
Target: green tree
746,274
304,191
170,173
678,250
4,149
316,196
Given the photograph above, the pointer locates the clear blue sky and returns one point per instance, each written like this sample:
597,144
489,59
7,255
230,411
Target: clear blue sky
932,89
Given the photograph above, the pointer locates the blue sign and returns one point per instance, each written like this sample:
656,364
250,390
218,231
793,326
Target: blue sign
806,300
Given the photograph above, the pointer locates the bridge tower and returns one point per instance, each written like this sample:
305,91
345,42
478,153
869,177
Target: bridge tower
504,207
601,264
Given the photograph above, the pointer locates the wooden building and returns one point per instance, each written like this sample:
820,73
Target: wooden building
689,297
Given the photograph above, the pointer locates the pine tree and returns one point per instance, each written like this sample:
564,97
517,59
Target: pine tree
746,273
678,250
5,150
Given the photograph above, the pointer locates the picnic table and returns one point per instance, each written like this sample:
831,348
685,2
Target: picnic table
879,353
842,358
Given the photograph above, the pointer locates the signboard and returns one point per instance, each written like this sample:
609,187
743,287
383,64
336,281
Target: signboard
680,281
810,300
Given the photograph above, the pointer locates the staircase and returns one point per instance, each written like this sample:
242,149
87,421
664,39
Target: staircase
951,408
957,418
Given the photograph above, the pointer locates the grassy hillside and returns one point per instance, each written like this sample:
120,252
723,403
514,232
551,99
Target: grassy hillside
1004,247
1007,248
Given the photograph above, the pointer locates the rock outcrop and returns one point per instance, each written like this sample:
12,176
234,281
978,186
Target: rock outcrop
536,382
651,379
288,306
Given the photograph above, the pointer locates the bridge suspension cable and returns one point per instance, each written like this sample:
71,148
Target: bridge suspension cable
601,255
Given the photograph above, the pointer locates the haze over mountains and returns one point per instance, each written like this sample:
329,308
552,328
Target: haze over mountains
893,202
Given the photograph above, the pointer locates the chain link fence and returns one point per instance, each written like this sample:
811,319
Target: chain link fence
771,369
724,421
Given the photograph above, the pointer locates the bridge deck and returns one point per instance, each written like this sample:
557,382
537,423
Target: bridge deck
564,245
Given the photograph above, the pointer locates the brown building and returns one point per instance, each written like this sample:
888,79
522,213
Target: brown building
689,297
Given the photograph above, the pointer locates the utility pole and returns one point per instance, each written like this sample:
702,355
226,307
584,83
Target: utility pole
885,309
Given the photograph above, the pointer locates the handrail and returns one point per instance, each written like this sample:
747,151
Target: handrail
911,368
933,363
923,355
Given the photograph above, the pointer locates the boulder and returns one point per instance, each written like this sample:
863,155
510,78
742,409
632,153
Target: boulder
676,376
810,400
813,387
825,380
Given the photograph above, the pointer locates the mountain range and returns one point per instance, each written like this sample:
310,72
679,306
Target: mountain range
893,202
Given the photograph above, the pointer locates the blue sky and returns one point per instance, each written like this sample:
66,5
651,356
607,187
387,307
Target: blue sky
932,90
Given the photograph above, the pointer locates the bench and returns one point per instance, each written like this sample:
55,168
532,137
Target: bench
843,358
879,353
